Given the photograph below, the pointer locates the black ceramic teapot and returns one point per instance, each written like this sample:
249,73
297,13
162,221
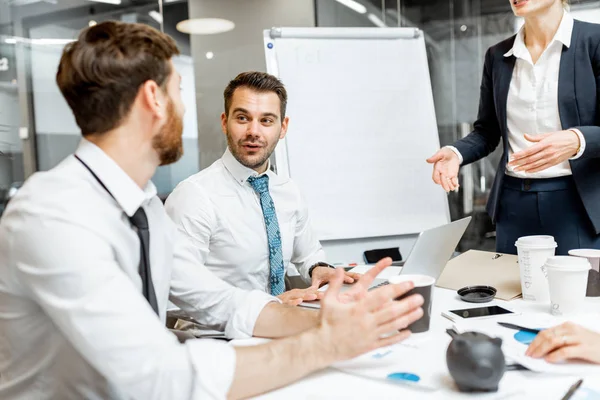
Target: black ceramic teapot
475,361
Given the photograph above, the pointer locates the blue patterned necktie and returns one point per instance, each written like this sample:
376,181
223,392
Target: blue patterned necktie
276,278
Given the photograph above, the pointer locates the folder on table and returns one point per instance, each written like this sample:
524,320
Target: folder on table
476,267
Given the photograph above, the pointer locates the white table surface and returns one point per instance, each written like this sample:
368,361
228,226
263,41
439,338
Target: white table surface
334,384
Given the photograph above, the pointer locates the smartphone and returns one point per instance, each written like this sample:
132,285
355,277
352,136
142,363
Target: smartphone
477,313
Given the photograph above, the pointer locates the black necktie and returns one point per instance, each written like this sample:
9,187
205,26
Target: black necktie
140,221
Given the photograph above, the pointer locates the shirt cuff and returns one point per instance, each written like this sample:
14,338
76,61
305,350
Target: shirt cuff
214,367
455,150
248,308
581,144
319,256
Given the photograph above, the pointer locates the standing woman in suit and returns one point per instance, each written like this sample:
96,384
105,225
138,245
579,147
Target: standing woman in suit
540,94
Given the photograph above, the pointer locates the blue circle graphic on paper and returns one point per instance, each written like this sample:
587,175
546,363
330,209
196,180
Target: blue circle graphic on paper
270,45
586,394
525,337
404,376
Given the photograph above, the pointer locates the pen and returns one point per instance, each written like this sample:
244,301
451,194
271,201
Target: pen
518,327
572,390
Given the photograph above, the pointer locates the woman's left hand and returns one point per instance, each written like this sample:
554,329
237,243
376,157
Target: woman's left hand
549,149
566,342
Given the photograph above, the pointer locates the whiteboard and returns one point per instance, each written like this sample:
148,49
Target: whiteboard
362,123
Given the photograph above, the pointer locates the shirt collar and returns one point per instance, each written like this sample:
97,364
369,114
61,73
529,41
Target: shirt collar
124,190
240,172
562,35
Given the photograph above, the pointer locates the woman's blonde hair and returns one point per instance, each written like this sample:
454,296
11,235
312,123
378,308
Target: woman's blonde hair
565,4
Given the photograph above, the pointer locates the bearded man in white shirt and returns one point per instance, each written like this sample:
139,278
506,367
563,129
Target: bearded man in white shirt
89,259
247,223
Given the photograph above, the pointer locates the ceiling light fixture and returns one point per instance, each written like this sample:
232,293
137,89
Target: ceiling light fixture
41,41
205,26
354,5
155,15
45,41
210,55
376,20
107,1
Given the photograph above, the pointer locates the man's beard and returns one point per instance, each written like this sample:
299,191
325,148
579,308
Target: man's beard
233,147
169,143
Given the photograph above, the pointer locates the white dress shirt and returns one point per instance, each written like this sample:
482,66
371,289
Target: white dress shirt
73,321
532,104
221,213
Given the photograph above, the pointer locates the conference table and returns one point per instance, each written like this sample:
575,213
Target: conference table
332,383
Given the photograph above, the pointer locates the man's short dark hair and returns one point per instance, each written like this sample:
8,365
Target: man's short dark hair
101,73
260,82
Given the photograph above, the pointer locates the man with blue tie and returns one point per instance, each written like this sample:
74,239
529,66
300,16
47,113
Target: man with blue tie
248,223
86,273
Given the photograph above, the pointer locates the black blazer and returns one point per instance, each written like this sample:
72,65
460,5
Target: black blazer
578,99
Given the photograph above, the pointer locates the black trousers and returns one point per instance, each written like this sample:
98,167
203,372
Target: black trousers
543,207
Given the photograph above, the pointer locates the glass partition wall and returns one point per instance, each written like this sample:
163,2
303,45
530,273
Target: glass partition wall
37,129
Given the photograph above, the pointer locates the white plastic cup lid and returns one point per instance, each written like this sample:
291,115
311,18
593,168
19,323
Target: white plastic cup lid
568,263
536,241
588,253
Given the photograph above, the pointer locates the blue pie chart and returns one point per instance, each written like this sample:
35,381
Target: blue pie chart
404,376
525,337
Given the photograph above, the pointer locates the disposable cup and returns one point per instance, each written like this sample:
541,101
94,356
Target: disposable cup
424,287
567,282
533,251
593,256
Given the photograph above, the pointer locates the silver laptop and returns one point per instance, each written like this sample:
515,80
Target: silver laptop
432,250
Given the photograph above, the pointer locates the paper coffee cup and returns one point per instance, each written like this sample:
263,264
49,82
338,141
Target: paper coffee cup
424,287
567,281
593,256
533,251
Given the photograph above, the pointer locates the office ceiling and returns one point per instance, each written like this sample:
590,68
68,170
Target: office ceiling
75,15
440,9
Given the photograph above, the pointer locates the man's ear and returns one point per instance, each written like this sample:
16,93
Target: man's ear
153,98
284,127
224,123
